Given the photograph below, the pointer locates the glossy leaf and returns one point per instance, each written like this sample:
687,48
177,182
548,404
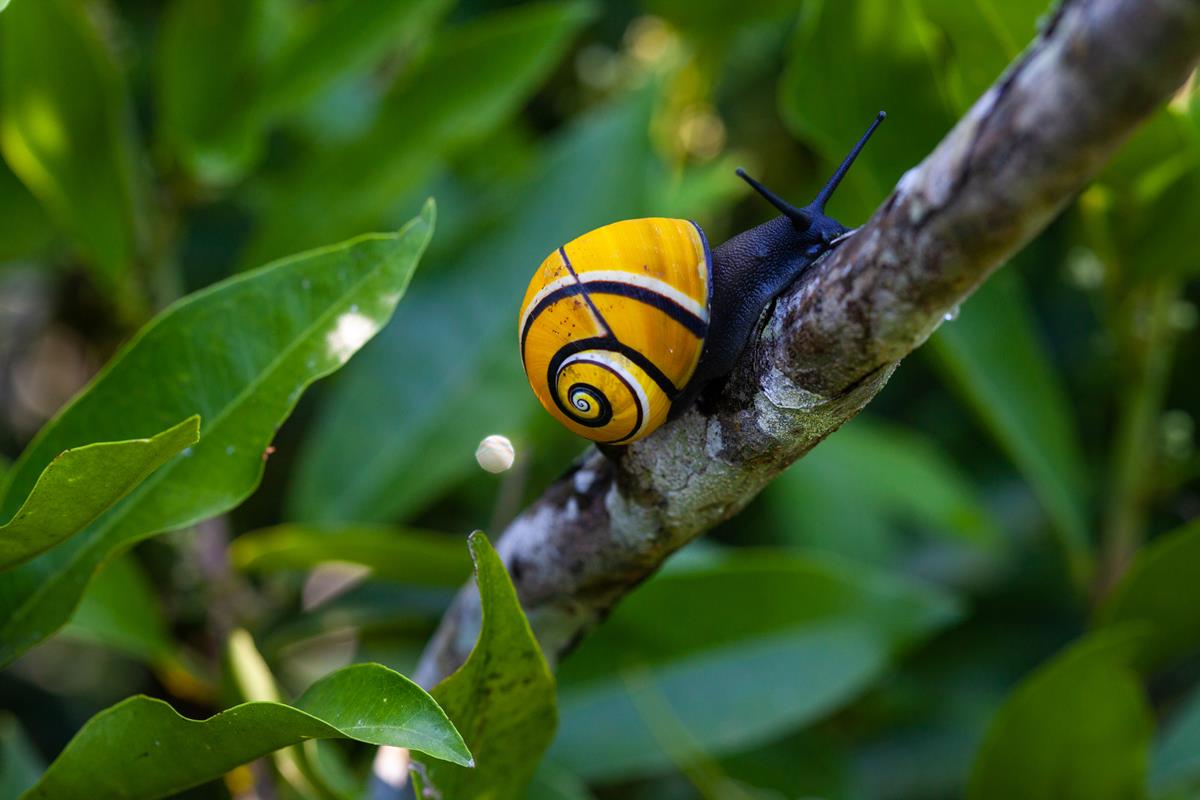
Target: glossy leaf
381,450
120,610
133,749
240,353
473,78
396,554
65,130
1150,595
82,483
869,483
1175,766
738,651
501,699
1077,729
992,356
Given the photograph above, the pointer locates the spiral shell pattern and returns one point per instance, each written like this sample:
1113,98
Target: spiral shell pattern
613,325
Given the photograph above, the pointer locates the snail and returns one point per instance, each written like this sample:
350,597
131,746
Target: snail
622,328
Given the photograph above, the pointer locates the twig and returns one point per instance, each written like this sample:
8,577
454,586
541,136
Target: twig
1027,146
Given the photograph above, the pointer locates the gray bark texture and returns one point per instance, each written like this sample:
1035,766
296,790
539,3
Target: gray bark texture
829,344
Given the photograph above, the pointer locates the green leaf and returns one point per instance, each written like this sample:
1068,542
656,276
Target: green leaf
992,356
983,36
216,112
24,226
501,699
1151,594
857,492
738,651
20,765
380,449
205,103
474,78
395,554
120,610
1175,766
142,748
241,353
346,37
65,130
873,52
82,483
1078,728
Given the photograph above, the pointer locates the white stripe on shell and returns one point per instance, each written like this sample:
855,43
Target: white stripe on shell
617,363
620,276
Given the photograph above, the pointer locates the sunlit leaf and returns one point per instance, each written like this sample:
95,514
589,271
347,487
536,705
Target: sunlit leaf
992,356
381,449
65,131
501,699
1077,729
134,748
396,554
740,651
82,483
240,353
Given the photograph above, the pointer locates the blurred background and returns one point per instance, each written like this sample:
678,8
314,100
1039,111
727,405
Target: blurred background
921,561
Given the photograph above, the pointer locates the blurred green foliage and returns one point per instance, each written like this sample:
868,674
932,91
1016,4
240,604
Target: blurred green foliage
980,588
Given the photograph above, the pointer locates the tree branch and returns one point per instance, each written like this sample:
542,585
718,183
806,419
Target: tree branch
832,340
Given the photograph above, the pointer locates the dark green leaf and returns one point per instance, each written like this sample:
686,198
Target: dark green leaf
346,37
873,52
983,36
854,492
1175,766
991,354
142,748
1077,729
501,699
381,449
65,130
395,554
82,483
20,764
738,652
1152,593
217,112
205,103
240,353
24,226
472,80
120,610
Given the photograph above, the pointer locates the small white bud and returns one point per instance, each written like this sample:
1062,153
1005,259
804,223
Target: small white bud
495,453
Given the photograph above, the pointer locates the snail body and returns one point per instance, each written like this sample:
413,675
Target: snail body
622,328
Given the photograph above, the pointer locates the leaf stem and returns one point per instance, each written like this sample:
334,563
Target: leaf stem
1147,339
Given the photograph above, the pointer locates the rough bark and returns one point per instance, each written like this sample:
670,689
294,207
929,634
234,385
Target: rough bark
829,344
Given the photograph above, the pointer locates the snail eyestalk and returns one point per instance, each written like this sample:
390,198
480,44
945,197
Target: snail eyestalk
799,217
831,186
